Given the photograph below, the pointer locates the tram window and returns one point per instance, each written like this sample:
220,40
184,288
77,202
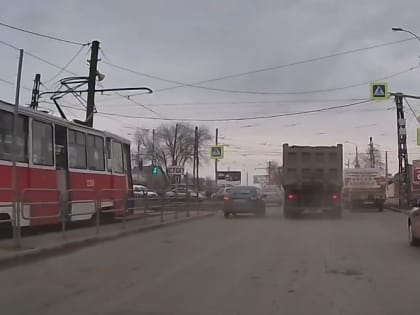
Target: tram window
77,149
95,153
108,155
42,143
6,134
117,158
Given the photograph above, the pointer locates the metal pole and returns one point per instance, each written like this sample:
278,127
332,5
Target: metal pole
215,160
357,159
402,152
153,146
90,108
15,178
195,158
196,172
35,92
386,171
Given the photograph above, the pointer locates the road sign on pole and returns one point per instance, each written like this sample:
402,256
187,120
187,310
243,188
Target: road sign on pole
379,91
217,152
175,170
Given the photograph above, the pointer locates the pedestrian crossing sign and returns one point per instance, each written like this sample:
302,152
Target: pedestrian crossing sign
379,91
216,152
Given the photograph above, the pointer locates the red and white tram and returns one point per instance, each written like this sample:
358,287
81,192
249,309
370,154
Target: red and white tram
65,171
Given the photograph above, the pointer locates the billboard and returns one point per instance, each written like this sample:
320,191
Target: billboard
228,177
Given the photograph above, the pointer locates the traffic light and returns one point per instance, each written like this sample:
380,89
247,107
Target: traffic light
155,170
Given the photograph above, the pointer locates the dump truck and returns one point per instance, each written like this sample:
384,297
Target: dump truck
364,187
312,179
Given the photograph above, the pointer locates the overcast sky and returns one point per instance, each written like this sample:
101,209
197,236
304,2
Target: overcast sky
192,41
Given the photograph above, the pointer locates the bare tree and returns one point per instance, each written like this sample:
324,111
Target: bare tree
165,150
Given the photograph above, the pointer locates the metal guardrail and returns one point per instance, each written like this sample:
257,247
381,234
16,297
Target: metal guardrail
124,203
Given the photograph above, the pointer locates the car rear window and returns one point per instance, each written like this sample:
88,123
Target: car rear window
242,191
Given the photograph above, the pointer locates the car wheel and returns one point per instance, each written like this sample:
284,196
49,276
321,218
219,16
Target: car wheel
414,241
381,208
226,215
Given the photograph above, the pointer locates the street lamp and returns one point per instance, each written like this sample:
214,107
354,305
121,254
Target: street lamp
400,29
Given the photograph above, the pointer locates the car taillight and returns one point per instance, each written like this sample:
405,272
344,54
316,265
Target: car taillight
335,197
291,197
226,198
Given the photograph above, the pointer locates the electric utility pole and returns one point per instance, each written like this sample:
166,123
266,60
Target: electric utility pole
93,71
402,151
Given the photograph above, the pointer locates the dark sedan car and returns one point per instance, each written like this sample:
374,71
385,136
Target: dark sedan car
244,199
414,225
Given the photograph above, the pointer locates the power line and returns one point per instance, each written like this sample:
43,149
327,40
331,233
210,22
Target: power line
127,98
13,83
240,118
411,109
66,65
182,84
64,69
42,35
257,92
7,81
36,57
278,102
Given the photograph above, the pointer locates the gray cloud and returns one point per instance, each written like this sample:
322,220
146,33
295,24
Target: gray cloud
195,40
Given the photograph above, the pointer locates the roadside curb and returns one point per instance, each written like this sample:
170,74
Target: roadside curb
398,210
33,254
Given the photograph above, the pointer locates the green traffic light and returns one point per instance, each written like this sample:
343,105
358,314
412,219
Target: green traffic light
155,170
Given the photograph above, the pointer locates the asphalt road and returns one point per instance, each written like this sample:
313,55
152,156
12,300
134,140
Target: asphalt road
360,264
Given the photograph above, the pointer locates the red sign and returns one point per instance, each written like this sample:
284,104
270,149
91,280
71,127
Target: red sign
417,175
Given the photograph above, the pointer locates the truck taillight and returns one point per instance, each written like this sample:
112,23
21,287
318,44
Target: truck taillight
291,197
335,197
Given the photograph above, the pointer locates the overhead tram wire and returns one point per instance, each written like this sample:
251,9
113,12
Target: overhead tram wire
66,65
181,84
43,35
316,91
36,57
318,110
64,69
146,107
412,110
